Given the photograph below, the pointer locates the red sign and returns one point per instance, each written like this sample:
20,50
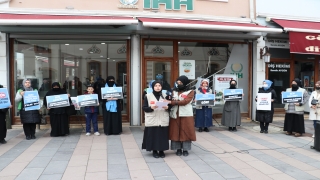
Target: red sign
305,43
2,95
224,78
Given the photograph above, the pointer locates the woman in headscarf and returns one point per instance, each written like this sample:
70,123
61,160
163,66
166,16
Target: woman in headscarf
156,132
266,117
203,113
181,127
294,120
112,118
58,116
231,116
29,119
3,124
314,114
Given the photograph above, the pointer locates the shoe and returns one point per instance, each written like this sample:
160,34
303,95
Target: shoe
288,133
266,131
230,128
185,153
88,134
161,154
28,137
33,137
3,141
261,131
234,129
97,133
200,130
155,154
179,152
313,136
297,134
206,129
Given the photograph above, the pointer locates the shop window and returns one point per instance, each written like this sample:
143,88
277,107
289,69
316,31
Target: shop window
158,48
280,53
305,72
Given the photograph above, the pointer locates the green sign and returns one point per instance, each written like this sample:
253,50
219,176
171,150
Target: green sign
169,4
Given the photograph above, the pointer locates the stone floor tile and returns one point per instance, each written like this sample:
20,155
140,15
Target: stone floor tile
315,173
166,178
160,169
98,154
281,176
210,176
236,163
79,160
226,171
185,173
62,156
118,171
96,176
132,153
117,159
97,165
9,178
137,164
141,174
56,167
253,174
74,172
50,177
30,174
264,168
39,162
199,166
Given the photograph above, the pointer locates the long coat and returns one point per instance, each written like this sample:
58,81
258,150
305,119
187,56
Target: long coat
182,128
203,113
231,116
266,116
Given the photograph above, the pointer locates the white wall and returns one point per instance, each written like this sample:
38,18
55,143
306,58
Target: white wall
3,60
296,8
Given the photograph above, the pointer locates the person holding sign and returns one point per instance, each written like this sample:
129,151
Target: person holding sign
231,116
203,113
29,118
314,104
181,125
294,120
112,118
91,115
265,116
4,97
58,116
156,132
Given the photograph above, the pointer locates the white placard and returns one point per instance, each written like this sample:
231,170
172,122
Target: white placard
222,82
264,101
187,68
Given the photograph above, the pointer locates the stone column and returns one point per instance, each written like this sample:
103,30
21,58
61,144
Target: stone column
4,73
135,81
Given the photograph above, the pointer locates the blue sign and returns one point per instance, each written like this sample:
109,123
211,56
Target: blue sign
205,99
88,100
232,94
4,98
61,100
111,92
292,97
31,100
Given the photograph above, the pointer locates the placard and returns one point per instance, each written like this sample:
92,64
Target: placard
31,100
233,94
222,82
187,68
75,103
264,101
292,97
4,98
114,92
88,100
205,99
56,101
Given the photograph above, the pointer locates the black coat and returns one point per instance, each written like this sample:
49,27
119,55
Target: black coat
32,116
266,116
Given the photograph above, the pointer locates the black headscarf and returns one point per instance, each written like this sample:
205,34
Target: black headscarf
110,83
185,81
233,87
157,94
295,88
52,92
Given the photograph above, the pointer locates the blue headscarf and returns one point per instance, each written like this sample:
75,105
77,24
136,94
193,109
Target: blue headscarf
111,105
269,83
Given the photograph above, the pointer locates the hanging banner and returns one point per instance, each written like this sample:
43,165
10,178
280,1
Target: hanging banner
75,103
205,99
57,101
4,98
305,43
111,92
31,100
187,68
292,97
233,94
264,101
222,82
88,100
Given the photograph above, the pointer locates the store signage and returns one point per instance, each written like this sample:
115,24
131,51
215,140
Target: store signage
273,67
168,4
187,68
222,82
278,43
236,69
306,43
128,4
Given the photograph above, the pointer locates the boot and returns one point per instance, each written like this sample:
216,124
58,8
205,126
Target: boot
179,152
206,129
155,154
200,130
161,154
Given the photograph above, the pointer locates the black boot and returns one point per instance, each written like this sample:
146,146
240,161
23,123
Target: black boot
155,154
230,128
234,129
200,130
185,153
33,137
161,154
3,141
206,129
28,137
179,152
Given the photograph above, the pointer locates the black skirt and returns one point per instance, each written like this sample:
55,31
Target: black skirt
59,125
112,122
294,123
156,138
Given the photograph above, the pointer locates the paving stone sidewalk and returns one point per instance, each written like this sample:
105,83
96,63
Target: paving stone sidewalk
218,154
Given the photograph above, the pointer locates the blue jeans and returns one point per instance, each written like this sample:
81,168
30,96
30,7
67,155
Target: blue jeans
93,117
315,123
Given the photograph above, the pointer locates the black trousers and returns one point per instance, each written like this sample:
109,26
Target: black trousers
264,126
3,126
29,129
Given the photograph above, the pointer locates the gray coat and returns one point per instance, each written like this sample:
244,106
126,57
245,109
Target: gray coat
231,116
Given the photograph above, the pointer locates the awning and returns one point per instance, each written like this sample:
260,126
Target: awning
51,20
304,36
206,25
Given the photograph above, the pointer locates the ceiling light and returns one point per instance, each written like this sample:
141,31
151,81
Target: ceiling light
109,58
91,52
103,43
67,44
114,60
81,49
101,56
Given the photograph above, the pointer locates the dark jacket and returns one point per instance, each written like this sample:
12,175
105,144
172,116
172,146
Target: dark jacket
32,116
91,109
266,116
